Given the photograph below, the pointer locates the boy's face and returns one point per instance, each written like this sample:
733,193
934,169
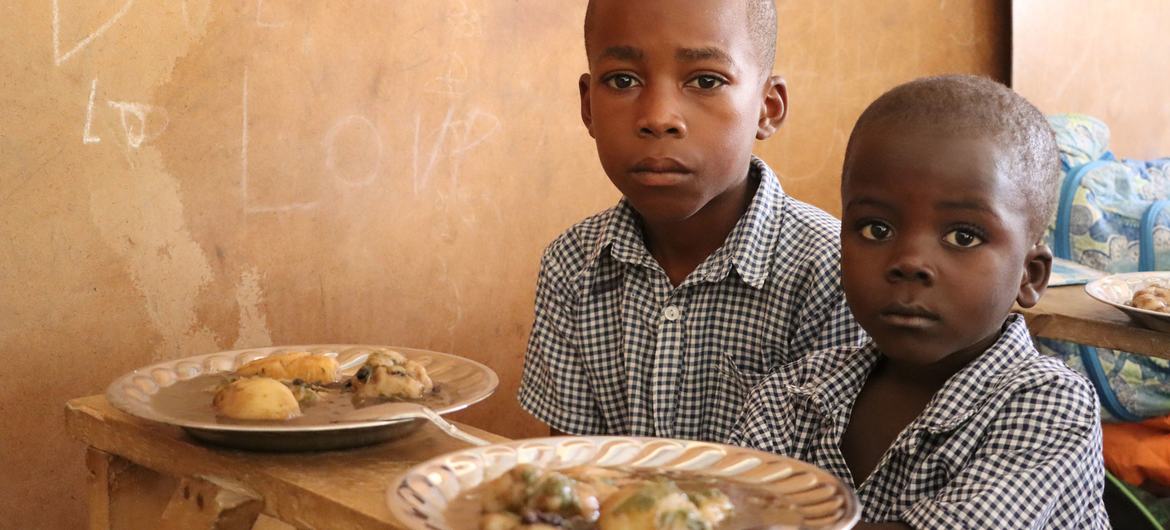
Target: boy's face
675,98
935,245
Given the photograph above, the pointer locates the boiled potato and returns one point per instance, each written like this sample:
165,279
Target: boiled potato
256,398
310,368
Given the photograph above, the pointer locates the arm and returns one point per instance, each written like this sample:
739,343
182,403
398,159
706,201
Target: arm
554,386
770,421
1039,465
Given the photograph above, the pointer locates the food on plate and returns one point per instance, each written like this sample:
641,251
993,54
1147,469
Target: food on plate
276,387
291,366
284,385
661,504
1154,297
528,495
256,398
586,498
390,375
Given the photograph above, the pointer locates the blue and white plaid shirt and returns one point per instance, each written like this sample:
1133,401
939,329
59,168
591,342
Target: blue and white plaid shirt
1013,440
616,349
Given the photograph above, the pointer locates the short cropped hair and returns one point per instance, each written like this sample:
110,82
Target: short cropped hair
761,21
976,106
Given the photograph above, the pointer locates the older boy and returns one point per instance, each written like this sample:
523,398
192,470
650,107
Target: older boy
948,418
656,316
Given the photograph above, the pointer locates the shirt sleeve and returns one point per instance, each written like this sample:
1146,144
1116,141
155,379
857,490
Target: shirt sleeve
768,408
554,385
1039,466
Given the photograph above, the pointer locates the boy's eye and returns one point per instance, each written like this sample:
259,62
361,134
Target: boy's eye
876,231
962,239
706,82
621,81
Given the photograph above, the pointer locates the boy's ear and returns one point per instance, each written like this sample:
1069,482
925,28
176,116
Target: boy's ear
586,108
774,108
1037,269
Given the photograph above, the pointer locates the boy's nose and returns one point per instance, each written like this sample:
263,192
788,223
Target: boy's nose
659,116
910,268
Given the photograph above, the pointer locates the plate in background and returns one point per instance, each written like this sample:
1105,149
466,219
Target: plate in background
419,498
1117,290
467,382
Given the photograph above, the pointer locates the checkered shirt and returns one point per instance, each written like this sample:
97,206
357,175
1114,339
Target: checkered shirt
616,349
1013,440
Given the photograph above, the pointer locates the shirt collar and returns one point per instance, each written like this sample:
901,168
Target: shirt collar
838,382
749,247
752,243
622,236
835,383
970,388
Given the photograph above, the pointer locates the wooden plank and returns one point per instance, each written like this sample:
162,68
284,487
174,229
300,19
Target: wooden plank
199,504
322,490
98,488
123,495
1067,313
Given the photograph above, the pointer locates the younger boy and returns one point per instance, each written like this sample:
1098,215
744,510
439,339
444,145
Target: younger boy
948,418
657,316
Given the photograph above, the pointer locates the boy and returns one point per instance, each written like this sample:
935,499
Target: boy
948,418
657,316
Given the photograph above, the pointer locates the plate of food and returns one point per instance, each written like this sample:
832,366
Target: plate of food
619,483
1144,296
294,398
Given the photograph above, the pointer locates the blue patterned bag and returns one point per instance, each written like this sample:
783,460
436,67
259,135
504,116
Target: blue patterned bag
1113,215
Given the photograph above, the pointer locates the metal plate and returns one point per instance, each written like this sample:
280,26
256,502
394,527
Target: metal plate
1117,290
468,382
419,499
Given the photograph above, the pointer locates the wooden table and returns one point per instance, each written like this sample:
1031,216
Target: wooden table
148,475
1068,313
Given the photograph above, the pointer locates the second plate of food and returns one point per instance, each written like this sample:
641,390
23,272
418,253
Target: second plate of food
1144,296
617,483
293,398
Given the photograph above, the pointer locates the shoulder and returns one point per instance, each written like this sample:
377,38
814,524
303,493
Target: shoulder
807,254
574,249
797,219
806,220
1043,387
807,232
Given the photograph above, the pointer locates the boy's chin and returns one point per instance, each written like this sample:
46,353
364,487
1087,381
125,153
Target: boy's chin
659,212
910,352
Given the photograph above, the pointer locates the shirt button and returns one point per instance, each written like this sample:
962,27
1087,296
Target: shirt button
671,313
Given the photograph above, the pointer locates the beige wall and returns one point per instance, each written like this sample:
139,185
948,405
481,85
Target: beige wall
184,177
838,55
1091,57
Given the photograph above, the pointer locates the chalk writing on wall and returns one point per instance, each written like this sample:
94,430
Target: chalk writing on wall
361,123
454,138
451,141
135,122
86,136
141,122
58,57
456,134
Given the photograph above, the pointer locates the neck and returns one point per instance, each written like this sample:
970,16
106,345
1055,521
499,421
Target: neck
681,246
936,374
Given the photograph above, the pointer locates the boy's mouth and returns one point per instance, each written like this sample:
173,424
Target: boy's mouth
908,316
659,171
